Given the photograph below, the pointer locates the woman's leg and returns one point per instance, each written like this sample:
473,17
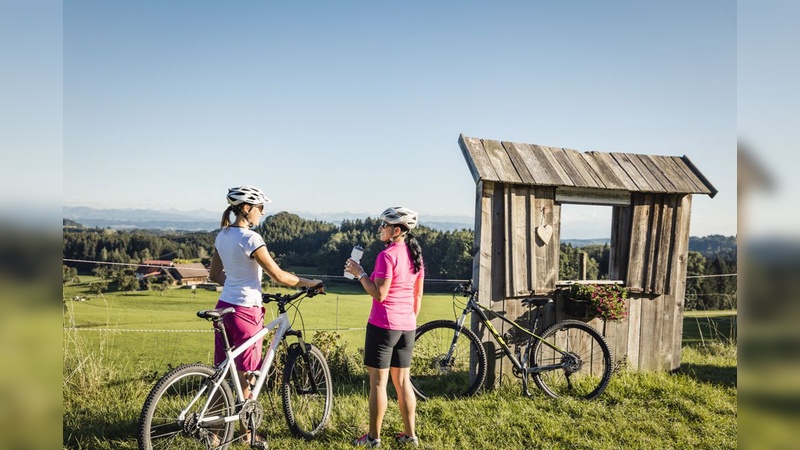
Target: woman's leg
406,400
378,379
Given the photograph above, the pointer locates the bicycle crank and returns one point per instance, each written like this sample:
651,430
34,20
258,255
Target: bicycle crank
252,414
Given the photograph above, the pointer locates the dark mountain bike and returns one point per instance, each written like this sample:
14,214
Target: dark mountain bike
569,359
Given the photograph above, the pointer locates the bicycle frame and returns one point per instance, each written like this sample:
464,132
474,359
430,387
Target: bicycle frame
283,328
477,308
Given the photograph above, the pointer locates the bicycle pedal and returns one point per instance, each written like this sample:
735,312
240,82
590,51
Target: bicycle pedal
260,445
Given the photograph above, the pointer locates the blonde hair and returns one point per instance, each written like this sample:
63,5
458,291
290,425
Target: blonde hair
226,217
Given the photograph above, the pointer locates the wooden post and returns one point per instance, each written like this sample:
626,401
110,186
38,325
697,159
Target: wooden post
582,258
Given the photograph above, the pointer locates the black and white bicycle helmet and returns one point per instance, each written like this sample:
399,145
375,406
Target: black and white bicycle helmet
246,194
399,215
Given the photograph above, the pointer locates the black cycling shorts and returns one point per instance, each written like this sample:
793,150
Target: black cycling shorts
388,348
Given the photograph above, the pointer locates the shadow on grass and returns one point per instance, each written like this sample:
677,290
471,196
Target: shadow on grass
720,376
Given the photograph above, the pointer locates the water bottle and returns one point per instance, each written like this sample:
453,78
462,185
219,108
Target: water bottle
355,255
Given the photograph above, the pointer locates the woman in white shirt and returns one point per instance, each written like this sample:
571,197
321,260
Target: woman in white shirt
240,258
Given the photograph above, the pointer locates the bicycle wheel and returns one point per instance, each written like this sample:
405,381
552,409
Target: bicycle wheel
433,374
307,392
585,361
160,425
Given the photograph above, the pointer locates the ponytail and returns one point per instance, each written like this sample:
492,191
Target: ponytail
226,218
414,251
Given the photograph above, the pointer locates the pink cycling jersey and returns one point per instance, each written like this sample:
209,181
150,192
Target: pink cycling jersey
396,312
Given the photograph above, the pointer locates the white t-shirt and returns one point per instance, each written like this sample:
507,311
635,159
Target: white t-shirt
235,247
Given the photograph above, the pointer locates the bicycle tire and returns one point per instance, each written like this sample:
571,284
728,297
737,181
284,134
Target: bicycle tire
159,426
431,376
590,374
307,409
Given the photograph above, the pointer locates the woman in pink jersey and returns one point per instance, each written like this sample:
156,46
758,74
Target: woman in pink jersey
239,261
396,289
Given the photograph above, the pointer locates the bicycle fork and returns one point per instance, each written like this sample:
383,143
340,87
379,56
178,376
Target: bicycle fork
304,353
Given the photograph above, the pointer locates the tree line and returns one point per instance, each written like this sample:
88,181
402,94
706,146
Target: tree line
313,246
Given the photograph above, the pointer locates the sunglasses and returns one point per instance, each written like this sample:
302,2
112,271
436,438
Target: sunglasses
384,225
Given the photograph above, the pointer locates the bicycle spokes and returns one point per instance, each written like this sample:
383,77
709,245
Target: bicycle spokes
582,369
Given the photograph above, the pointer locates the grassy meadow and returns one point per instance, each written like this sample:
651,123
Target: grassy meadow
116,345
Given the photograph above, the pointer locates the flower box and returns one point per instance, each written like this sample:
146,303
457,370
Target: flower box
606,301
577,308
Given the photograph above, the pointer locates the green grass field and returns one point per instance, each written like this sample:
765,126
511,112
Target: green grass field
168,322
108,373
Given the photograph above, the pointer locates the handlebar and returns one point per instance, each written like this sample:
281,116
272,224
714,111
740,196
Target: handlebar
302,292
465,289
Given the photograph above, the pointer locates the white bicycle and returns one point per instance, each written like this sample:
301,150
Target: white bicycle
196,406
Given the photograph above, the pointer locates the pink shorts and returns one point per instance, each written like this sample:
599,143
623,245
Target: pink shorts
241,325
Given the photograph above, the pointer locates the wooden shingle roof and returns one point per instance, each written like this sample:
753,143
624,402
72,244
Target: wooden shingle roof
530,164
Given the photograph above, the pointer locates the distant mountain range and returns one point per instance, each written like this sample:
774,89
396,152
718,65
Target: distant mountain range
203,220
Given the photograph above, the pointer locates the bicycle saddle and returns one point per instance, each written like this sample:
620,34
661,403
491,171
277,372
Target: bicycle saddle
214,314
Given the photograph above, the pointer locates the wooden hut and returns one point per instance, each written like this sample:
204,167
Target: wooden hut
521,187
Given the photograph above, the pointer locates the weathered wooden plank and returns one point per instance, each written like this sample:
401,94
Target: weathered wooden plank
680,164
616,335
657,173
508,241
517,236
540,171
576,158
530,240
634,330
619,248
670,170
614,166
665,350
662,273
680,260
545,211
477,159
649,334
545,155
501,162
592,196
522,236
652,243
626,165
482,268
657,334
676,172
654,183
576,179
482,252
498,243
590,164
518,161
709,188
640,227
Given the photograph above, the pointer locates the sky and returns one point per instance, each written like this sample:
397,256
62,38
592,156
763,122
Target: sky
356,106
768,111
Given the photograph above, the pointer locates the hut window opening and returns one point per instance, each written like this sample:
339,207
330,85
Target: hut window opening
585,242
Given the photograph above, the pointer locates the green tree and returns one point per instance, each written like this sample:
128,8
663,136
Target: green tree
98,287
70,275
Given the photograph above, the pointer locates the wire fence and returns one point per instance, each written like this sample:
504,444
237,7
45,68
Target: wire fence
336,278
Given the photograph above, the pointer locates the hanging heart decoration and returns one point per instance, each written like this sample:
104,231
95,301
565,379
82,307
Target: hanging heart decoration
544,231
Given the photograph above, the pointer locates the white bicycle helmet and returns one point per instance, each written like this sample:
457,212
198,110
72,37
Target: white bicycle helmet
246,194
399,215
